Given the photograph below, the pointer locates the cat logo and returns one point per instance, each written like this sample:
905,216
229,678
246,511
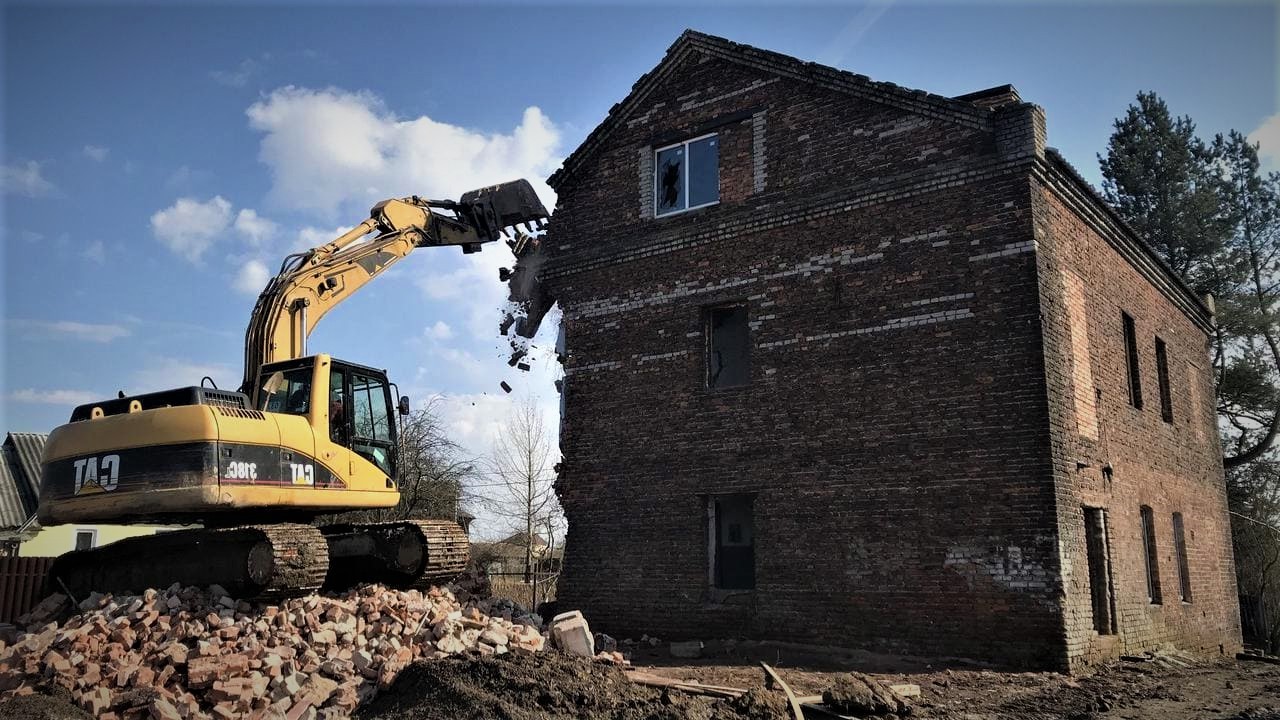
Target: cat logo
94,475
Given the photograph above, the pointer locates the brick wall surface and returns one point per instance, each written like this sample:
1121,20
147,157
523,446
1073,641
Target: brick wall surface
902,432
1170,467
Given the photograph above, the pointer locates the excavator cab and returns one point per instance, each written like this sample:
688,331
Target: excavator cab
347,408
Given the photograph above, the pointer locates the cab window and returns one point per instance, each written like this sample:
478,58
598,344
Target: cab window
286,391
339,407
371,413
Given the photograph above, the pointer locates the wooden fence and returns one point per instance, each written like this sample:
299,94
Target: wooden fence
21,585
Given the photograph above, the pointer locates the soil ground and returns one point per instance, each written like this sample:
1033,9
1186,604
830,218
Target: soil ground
556,686
1167,687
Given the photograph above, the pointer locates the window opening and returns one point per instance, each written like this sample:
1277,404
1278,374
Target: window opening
1152,558
1101,592
733,542
1131,361
728,346
1184,570
1162,377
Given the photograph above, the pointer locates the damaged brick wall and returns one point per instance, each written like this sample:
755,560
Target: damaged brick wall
1170,467
892,429
903,432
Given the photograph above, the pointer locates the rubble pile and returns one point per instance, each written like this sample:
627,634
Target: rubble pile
191,653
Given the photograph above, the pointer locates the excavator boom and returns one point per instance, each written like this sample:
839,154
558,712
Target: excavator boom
312,283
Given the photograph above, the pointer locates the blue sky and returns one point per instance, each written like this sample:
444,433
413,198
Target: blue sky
160,160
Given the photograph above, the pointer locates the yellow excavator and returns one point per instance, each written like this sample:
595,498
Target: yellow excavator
305,435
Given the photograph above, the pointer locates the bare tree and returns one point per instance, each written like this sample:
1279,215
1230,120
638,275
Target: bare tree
522,464
432,473
1255,491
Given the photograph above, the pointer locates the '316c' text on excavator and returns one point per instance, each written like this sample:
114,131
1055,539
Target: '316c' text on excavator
305,435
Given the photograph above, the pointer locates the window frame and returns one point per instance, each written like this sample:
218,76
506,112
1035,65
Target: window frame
93,538
687,155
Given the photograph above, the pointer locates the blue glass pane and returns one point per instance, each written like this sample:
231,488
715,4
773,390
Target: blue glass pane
704,171
669,180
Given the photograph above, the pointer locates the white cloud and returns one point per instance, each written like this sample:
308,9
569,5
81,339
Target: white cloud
255,228
53,397
96,153
1267,135
474,420
252,277
237,77
31,236
189,227
161,373
24,179
330,147
68,329
185,178
439,331
95,252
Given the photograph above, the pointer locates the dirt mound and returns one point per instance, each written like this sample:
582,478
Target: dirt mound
56,706
531,687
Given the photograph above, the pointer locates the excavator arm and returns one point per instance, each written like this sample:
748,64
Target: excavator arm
312,283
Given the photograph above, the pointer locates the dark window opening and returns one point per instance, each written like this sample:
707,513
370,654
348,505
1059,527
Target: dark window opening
687,175
1131,361
1149,553
1099,556
733,542
728,346
86,539
1180,546
1162,377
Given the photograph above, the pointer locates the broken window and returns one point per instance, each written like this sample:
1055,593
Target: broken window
687,175
733,555
1149,553
728,342
1099,556
1180,546
1131,361
1162,377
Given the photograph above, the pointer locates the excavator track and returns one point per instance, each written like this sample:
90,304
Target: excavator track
403,554
252,561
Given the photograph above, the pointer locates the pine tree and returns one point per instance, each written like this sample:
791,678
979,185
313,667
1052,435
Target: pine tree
1160,178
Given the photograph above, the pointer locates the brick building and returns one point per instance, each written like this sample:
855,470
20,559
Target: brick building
857,365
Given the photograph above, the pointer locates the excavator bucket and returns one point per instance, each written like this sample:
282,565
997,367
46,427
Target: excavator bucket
508,204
